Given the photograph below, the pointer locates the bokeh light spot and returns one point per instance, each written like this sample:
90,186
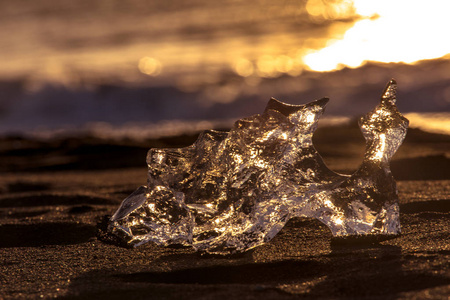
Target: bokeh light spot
244,67
284,63
267,66
329,9
150,66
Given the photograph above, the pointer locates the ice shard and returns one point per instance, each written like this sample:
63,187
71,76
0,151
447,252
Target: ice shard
232,191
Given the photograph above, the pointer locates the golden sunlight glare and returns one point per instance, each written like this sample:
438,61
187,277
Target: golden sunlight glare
389,31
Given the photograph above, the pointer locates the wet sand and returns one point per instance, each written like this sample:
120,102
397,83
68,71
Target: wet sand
54,193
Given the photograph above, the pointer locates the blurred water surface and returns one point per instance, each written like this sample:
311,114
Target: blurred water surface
71,41
134,64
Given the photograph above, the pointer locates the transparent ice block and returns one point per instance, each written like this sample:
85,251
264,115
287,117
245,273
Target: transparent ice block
233,191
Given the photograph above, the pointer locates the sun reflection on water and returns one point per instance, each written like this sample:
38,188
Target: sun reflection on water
384,31
389,31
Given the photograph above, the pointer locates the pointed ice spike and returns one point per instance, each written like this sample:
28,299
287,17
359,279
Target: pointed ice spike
283,108
390,92
288,109
321,102
135,200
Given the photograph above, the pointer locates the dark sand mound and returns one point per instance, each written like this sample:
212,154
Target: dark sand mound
53,194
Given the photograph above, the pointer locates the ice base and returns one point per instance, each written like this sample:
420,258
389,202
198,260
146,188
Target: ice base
233,191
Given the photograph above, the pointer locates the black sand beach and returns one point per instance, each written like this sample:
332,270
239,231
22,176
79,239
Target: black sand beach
55,192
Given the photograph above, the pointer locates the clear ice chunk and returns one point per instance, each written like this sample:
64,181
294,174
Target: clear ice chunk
233,191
